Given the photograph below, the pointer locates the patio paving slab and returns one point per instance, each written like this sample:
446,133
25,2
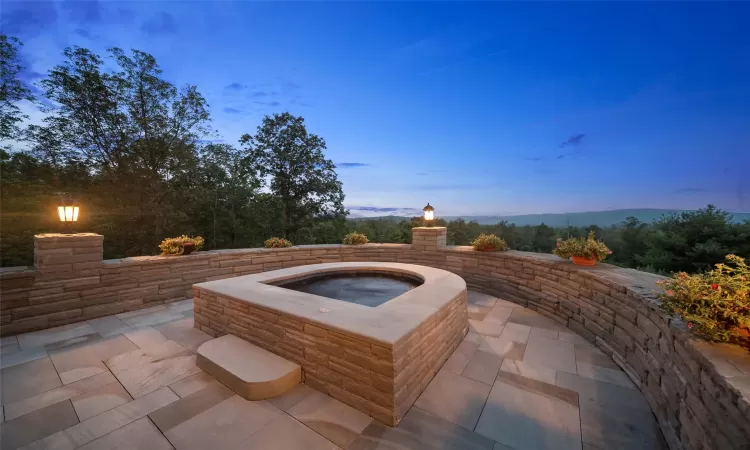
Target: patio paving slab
183,332
334,420
28,379
461,357
523,419
223,425
483,367
41,338
108,326
190,406
193,383
99,400
82,357
42,422
620,428
604,374
529,370
454,398
151,376
56,395
138,435
420,430
288,399
552,353
145,337
598,394
285,433
531,318
98,426
22,356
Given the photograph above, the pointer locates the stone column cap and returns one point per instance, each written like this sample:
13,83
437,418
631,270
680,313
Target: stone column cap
67,236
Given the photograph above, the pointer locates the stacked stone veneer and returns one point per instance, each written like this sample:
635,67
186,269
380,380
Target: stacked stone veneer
67,253
428,238
379,379
699,393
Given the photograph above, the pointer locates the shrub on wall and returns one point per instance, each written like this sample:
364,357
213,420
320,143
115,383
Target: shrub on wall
588,248
355,238
715,304
489,242
175,245
276,242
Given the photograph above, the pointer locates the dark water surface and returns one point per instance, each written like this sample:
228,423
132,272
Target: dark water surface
364,289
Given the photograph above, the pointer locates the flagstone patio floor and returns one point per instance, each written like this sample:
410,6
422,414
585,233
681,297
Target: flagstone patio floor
518,381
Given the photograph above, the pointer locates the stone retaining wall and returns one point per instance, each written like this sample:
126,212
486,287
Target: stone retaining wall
700,393
382,381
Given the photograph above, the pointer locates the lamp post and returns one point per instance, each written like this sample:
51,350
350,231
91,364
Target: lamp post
67,212
429,214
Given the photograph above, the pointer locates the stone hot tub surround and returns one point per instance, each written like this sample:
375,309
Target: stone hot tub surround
376,359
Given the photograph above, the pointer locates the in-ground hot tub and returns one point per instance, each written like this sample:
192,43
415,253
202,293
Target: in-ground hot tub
369,288
375,357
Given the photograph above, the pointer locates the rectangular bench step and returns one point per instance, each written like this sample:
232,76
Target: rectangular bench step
250,371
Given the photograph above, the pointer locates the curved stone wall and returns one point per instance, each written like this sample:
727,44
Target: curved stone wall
699,393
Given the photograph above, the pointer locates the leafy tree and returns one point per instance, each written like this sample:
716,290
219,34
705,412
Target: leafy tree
633,237
544,239
12,90
689,241
304,181
135,131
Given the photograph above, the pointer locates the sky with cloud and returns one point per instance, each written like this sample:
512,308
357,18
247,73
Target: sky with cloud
478,108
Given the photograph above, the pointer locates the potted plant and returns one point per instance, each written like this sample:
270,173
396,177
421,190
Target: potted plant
489,243
277,242
582,251
715,304
355,238
181,245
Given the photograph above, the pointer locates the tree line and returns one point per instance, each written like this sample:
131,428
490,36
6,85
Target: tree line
139,155
691,241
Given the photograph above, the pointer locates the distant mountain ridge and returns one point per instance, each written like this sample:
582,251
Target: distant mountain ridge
582,219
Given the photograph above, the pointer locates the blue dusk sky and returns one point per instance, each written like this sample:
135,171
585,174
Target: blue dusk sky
478,108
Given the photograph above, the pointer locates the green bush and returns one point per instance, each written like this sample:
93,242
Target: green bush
715,304
487,242
276,242
355,238
174,246
588,248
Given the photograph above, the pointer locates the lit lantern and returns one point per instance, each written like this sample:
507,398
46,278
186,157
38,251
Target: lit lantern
67,212
429,214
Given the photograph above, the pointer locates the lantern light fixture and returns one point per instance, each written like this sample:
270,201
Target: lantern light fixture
67,211
429,214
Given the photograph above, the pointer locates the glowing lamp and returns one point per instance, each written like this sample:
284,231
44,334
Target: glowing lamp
429,214
67,211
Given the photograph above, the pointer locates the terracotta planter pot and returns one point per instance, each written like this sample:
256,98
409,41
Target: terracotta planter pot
188,248
581,261
492,249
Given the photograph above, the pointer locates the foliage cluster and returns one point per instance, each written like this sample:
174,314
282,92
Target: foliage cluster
355,238
715,304
588,247
489,242
174,246
277,242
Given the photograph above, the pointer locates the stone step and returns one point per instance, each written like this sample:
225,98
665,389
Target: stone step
250,371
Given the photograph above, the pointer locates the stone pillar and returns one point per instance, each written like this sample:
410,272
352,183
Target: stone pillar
59,253
428,238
